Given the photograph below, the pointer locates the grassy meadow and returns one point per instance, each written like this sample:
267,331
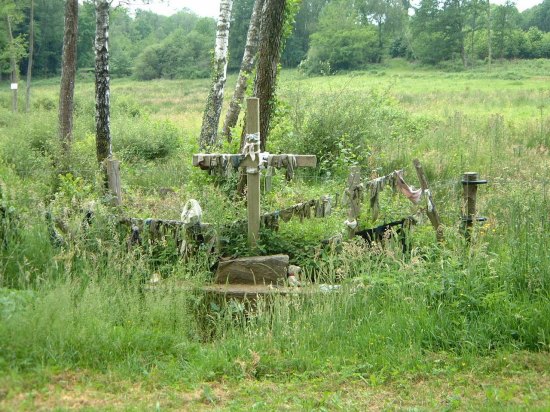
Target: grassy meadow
450,326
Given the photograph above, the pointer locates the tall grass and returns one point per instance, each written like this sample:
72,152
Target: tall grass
89,303
385,318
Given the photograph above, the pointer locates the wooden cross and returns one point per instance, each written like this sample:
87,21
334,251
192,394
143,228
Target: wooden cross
252,160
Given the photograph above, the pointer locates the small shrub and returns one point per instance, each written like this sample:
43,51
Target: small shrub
45,103
84,107
41,132
144,139
124,106
5,117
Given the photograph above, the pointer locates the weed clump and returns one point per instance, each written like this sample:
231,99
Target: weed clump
144,139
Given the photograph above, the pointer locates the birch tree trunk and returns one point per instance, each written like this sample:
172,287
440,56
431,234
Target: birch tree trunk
489,34
271,36
212,112
68,75
13,64
102,81
247,64
29,62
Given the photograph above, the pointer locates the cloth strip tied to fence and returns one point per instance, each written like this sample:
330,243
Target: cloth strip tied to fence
396,182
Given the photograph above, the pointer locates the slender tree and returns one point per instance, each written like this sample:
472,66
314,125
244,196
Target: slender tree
68,75
212,112
386,15
13,65
247,65
474,8
11,12
489,34
102,81
453,19
29,62
306,23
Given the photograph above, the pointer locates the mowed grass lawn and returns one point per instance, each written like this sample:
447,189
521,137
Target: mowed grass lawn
450,329
519,381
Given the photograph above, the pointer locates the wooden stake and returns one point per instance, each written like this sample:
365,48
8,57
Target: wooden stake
431,211
253,174
112,168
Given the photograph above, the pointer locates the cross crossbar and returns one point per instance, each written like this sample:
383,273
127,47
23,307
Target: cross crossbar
211,160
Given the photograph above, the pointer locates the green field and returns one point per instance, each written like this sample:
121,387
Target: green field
450,326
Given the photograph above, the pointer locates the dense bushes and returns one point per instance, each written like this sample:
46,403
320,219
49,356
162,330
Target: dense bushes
341,43
344,131
31,147
529,44
345,49
180,55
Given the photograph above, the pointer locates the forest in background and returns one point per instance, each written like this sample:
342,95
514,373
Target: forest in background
328,36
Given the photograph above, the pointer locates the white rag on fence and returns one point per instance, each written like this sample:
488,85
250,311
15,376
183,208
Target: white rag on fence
191,213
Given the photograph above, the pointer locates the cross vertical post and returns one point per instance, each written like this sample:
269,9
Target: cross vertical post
253,173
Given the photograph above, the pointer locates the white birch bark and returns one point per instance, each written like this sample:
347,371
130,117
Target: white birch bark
102,81
212,112
247,64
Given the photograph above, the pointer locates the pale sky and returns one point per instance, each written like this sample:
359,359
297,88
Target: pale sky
208,8
211,7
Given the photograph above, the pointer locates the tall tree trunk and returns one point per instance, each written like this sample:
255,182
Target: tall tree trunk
13,64
271,36
380,42
68,75
472,41
247,64
463,47
213,110
29,61
102,81
489,34
461,35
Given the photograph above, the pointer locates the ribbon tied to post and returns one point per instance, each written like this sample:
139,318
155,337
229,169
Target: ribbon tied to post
251,145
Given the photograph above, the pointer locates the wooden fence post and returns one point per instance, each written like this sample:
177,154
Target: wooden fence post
253,174
112,169
431,210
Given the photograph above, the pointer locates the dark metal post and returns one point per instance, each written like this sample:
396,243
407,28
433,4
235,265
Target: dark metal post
470,181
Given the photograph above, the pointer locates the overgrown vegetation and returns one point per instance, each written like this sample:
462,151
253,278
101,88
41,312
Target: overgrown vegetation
451,310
